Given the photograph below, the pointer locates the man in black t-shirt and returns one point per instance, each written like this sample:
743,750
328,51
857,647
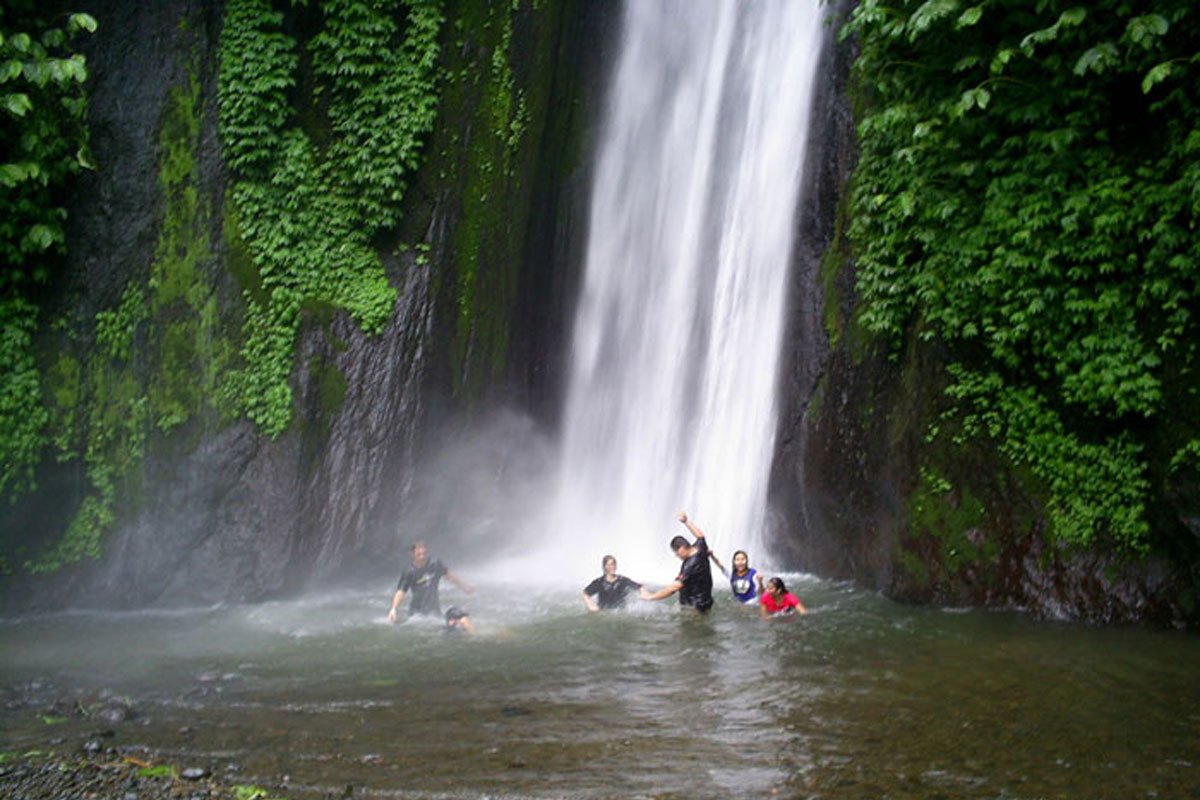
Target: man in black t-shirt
610,589
694,582
421,580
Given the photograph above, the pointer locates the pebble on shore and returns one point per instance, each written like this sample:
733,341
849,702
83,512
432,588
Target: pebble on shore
54,777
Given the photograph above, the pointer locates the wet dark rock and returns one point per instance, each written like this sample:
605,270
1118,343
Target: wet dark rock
514,711
65,708
113,714
60,778
852,446
224,513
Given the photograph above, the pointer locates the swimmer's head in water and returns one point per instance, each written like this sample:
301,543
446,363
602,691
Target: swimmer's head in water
454,614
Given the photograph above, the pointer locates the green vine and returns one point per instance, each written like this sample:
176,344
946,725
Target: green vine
308,214
115,328
1005,208
43,142
22,417
105,406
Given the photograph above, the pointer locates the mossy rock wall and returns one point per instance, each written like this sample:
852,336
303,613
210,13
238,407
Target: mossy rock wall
187,501
861,490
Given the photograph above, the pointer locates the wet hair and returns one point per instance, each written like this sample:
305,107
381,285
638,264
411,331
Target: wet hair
778,584
418,543
454,613
604,561
679,542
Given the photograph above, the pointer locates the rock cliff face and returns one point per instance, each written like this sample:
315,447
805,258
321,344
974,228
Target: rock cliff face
848,497
215,511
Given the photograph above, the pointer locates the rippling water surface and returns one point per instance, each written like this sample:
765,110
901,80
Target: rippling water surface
861,698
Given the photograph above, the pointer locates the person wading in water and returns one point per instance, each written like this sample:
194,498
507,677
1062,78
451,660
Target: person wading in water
610,589
694,582
743,579
421,580
779,602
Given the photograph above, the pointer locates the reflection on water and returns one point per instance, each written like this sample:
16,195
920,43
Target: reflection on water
861,698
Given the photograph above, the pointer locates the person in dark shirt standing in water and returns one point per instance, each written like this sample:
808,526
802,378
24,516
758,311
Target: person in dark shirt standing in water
421,580
610,589
694,582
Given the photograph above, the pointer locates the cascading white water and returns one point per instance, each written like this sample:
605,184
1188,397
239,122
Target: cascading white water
672,391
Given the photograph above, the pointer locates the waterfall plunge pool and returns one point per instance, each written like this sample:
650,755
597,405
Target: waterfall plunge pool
861,698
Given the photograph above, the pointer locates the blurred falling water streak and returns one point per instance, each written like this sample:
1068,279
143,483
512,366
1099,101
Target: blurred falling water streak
671,395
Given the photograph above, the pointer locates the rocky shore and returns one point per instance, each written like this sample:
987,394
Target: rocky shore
54,777
62,745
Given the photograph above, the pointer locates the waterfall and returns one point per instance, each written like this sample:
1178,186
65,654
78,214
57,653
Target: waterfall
671,399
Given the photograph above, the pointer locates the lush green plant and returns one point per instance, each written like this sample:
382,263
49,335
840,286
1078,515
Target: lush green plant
308,210
43,141
101,404
22,417
246,791
304,215
1027,194
115,327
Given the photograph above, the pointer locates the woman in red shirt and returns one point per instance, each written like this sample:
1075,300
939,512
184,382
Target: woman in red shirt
778,601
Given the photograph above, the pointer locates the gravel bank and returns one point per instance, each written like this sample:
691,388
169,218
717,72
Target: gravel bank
53,777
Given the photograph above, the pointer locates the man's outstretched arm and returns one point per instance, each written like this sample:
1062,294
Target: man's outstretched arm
459,582
396,600
664,592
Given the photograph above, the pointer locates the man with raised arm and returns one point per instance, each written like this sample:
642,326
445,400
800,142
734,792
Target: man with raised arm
694,582
421,580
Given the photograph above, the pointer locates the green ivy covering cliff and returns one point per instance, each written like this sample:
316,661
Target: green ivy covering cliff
327,114
1027,198
319,179
43,142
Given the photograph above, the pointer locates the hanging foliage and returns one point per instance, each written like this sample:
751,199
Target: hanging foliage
1028,194
43,142
310,198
